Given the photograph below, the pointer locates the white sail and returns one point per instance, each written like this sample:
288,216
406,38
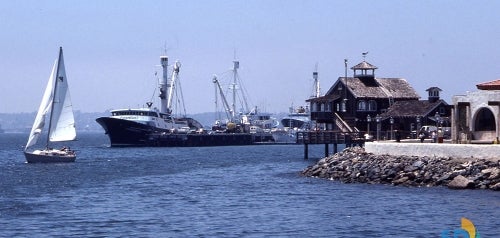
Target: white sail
39,123
56,95
62,119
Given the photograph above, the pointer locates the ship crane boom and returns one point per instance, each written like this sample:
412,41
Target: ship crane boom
173,81
227,107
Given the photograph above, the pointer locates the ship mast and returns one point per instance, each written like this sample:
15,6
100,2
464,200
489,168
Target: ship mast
164,85
317,90
236,65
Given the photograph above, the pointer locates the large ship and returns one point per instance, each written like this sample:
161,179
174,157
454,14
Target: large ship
150,126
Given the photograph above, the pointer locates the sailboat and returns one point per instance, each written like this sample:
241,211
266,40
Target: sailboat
56,103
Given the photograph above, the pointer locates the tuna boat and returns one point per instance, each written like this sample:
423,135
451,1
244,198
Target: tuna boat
150,126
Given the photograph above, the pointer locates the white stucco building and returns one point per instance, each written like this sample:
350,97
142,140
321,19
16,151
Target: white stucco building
476,115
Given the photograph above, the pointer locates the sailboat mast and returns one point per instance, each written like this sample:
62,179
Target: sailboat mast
54,96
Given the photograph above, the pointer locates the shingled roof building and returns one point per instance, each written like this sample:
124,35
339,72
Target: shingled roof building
409,116
363,101
476,115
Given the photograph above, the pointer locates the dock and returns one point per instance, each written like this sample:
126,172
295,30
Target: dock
328,138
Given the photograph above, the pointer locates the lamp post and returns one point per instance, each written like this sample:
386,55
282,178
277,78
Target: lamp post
391,120
377,119
368,121
438,119
344,102
418,125
418,122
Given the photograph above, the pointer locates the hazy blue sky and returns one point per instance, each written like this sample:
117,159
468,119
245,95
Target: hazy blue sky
112,47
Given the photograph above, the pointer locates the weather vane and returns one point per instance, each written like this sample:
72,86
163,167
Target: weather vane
364,55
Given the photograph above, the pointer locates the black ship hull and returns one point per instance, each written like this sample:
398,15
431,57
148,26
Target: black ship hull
123,133
126,133
198,140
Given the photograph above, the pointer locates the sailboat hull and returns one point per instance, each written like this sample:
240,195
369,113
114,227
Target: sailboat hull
53,156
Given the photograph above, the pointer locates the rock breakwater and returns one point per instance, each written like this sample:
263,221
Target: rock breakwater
354,165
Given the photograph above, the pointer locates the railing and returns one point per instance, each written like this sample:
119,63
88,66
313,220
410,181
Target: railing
342,124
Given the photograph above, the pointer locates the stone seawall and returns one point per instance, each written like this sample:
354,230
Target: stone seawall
355,165
491,152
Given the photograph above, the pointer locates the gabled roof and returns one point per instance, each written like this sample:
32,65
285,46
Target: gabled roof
412,108
396,88
491,85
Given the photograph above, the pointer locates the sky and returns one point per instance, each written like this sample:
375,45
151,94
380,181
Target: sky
112,49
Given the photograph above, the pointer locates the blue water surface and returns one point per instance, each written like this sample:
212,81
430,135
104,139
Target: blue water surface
236,191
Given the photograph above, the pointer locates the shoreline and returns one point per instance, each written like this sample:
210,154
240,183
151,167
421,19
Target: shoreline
355,165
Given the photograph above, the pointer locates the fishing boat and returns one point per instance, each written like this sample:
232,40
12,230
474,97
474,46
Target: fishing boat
56,103
150,126
247,120
144,126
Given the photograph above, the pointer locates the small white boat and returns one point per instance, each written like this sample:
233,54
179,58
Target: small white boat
298,120
56,102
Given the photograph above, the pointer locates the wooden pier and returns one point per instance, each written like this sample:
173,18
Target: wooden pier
328,137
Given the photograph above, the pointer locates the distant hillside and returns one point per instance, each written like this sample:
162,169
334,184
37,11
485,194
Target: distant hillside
85,121
22,122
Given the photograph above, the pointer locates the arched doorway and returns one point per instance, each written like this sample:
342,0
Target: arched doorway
485,120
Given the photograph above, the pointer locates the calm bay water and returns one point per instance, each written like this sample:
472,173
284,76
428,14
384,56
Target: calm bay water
244,191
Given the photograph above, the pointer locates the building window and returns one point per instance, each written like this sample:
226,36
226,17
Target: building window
361,105
372,105
328,107
442,110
